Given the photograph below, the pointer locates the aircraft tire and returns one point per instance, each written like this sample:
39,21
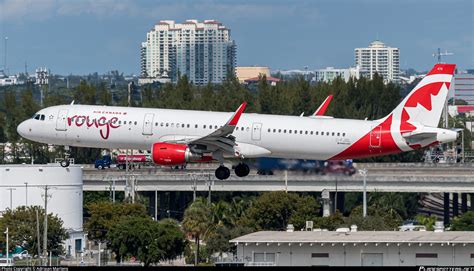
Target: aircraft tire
242,170
222,173
64,163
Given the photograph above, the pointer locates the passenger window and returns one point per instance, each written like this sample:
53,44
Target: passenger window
301,132
215,126
338,134
332,134
182,125
311,132
204,126
327,133
167,124
274,130
241,128
317,133
248,129
161,124
120,122
156,123
269,130
187,126
130,122
284,131
135,123
289,131
279,130
343,134
172,125
296,131
195,126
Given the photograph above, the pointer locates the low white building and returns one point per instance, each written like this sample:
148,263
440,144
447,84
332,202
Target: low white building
330,73
349,248
25,185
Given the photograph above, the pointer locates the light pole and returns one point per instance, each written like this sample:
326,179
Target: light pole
363,172
11,197
26,194
6,232
5,58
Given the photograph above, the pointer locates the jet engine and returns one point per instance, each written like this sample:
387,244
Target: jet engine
169,154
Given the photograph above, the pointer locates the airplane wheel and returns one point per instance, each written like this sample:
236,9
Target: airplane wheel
64,163
222,173
242,170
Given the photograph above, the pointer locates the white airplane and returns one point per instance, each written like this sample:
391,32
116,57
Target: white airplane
177,137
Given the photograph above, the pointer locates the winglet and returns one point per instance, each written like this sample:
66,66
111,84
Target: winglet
235,118
323,107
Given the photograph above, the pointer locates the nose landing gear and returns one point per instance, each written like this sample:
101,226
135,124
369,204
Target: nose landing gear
65,162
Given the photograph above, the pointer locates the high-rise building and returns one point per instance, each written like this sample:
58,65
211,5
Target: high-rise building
379,58
143,72
203,51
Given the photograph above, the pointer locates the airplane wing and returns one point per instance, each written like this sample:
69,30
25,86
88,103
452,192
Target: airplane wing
221,139
323,107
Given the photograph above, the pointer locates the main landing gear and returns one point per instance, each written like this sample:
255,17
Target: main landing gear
241,170
222,172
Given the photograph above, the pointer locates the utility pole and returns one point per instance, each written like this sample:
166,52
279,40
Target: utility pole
210,185
194,179
11,197
38,233
45,232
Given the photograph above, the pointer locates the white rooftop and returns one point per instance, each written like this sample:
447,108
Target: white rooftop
357,237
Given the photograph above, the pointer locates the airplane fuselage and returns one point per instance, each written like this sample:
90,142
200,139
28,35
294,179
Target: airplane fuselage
256,135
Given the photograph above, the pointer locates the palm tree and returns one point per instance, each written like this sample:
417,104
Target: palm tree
197,220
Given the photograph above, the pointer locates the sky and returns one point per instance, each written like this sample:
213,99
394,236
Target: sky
86,36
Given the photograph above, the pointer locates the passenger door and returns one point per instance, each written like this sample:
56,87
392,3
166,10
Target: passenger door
376,137
148,124
61,121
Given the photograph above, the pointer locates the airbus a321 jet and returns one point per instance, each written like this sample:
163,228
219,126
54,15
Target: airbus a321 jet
177,137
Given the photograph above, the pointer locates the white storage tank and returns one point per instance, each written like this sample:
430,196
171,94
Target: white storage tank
25,185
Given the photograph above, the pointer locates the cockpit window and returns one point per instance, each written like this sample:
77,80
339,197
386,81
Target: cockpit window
39,117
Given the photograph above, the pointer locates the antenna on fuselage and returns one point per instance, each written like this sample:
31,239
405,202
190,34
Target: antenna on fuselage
72,102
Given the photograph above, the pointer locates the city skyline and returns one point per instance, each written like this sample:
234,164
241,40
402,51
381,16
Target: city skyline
82,37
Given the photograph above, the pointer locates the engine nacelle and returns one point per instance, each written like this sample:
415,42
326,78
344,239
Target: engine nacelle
169,154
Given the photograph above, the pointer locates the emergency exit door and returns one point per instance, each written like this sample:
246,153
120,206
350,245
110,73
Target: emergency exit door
256,131
148,124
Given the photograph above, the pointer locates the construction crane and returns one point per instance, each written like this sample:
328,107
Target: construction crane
439,54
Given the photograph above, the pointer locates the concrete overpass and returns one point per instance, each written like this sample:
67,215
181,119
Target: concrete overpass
381,177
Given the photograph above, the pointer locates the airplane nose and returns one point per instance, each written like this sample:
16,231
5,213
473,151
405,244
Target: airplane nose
22,129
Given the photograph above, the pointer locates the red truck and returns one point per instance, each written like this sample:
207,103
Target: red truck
121,161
